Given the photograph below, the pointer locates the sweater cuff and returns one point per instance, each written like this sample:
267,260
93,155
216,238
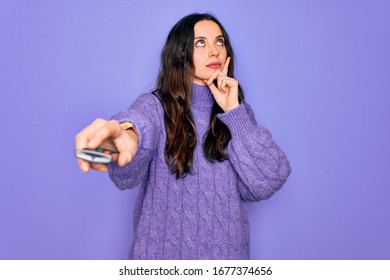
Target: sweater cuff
237,120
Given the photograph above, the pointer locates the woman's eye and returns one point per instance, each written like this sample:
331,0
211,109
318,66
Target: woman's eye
220,42
200,43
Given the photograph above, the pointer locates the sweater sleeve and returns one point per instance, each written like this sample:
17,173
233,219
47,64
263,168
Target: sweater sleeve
261,165
143,113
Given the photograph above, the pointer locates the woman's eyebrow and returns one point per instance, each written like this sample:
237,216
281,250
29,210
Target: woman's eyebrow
202,37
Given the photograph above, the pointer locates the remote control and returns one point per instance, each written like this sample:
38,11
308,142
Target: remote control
96,156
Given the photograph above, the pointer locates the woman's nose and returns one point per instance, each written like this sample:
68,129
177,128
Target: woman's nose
213,51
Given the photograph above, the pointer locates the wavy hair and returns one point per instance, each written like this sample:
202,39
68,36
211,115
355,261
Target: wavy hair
174,89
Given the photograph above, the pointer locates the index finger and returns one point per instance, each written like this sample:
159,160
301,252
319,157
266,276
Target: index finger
226,66
83,137
110,129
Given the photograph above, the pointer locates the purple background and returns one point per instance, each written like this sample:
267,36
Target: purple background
317,74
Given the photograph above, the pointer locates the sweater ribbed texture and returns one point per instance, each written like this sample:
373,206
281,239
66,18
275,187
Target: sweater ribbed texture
204,215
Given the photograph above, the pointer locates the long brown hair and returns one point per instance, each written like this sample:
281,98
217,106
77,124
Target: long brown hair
174,88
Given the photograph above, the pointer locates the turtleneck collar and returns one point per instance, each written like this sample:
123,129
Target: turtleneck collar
201,96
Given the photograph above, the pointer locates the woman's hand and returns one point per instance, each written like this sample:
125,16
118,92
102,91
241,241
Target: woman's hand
110,135
226,94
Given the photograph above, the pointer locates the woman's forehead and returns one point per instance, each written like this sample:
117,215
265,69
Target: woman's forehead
207,28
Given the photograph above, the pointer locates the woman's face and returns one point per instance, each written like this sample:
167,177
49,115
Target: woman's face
209,50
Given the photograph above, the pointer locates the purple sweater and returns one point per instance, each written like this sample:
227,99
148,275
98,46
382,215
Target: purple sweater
204,215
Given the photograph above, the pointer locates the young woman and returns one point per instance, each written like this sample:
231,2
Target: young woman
194,148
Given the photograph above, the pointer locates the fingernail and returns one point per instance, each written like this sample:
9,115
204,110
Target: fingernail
84,168
124,161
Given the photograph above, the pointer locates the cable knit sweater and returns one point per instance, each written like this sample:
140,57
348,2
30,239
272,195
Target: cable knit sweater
204,215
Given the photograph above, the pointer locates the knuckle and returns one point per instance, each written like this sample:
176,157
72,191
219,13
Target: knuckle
113,126
113,122
98,121
105,129
78,137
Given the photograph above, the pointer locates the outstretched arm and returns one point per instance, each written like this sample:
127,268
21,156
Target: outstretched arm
144,115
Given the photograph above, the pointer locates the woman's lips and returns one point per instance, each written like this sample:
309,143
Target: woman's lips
214,65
